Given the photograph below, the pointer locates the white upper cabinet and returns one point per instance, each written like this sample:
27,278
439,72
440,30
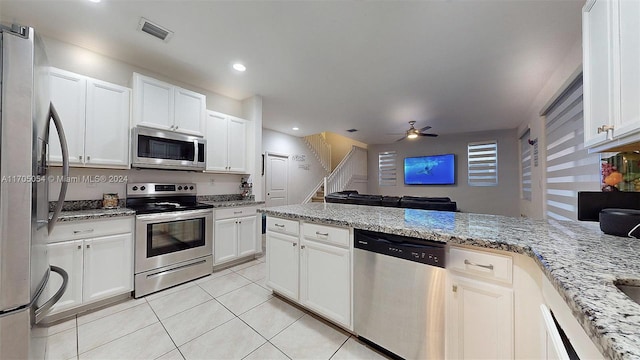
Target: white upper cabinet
629,25
226,143
611,59
164,106
95,118
107,129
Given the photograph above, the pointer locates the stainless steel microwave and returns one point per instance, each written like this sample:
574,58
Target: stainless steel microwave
158,149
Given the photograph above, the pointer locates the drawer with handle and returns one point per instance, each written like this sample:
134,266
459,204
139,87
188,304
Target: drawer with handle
291,227
483,264
328,234
85,229
235,212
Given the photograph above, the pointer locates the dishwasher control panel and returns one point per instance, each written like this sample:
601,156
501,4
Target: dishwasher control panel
412,249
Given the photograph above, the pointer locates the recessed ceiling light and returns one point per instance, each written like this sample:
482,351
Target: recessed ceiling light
239,67
95,1
295,128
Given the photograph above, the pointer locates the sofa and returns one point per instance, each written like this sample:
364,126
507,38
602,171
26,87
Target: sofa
410,202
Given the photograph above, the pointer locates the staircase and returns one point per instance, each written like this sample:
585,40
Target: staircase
320,149
353,168
319,195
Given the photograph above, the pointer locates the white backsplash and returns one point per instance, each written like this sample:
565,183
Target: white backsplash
208,184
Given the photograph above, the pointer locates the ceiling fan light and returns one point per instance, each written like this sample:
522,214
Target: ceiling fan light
412,135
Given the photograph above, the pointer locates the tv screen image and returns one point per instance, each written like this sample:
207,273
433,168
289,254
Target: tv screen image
430,170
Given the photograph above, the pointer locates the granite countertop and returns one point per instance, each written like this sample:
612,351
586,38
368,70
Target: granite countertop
92,214
233,203
579,260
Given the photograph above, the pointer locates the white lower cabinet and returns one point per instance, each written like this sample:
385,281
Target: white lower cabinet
310,268
481,320
325,284
99,267
235,234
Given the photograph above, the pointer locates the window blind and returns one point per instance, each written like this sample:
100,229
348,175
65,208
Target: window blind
387,168
482,161
569,166
525,166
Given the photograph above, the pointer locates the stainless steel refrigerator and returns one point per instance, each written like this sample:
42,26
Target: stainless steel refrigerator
25,118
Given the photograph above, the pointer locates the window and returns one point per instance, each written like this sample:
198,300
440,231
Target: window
482,159
525,165
387,169
569,166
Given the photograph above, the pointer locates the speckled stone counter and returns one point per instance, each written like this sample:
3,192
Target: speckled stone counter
233,203
579,260
93,214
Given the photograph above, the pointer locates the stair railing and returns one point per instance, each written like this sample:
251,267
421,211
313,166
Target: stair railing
352,167
320,149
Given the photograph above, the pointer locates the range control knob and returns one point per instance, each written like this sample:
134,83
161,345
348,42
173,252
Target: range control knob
143,188
179,187
134,188
191,187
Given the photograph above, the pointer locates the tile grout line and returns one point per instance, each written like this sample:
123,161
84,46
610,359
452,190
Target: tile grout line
340,347
118,338
167,332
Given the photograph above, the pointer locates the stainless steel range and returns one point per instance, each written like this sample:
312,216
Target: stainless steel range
174,235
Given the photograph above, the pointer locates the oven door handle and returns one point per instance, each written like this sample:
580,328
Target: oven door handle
175,215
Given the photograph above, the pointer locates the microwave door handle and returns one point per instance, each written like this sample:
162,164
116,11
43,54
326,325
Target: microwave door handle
65,166
195,152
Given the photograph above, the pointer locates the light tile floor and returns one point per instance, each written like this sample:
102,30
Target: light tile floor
229,314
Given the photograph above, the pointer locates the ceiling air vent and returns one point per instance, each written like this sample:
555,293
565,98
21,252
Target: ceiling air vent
352,130
155,30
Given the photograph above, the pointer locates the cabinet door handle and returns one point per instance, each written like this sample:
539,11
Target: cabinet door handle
322,234
605,128
467,262
83,231
295,244
88,158
176,128
80,157
237,212
79,247
302,246
88,246
455,288
278,225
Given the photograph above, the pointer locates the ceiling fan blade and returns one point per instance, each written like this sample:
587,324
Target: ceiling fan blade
402,138
395,134
425,128
432,135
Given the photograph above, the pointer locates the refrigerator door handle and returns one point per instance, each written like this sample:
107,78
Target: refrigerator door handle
44,309
65,166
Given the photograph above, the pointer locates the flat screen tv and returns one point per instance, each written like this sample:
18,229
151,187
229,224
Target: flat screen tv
430,170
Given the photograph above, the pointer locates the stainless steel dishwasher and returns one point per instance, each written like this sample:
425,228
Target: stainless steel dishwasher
399,294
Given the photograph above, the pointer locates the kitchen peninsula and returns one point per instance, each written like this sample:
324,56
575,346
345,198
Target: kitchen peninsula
579,261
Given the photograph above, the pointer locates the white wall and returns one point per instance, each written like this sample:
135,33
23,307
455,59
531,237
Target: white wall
82,61
252,111
340,147
557,82
301,181
501,200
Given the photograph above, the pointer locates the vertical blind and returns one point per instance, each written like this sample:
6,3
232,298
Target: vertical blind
387,168
569,167
525,165
482,160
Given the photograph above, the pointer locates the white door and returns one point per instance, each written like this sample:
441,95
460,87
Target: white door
325,285
68,95
153,102
66,255
277,174
237,155
480,321
282,264
247,234
598,71
108,266
225,241
629,120
216,135
107,124
190,110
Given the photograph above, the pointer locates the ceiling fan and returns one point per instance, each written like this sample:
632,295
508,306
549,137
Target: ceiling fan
413,133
